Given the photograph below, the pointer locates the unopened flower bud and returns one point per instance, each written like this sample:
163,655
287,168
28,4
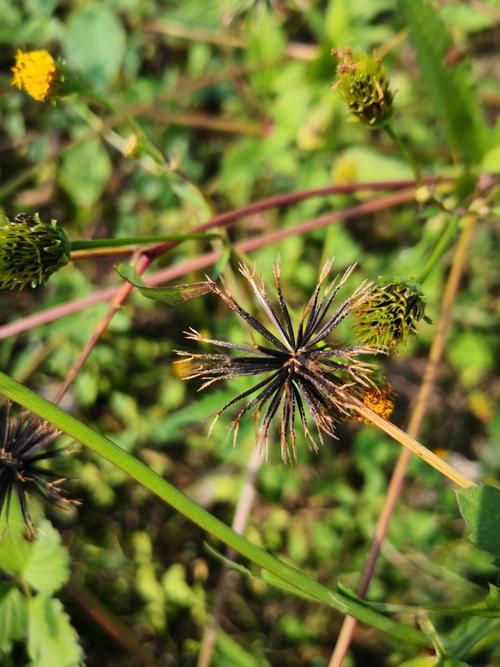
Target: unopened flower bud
391,314
364,87
30,251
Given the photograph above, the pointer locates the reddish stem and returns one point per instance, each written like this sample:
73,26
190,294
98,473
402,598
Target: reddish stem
201,262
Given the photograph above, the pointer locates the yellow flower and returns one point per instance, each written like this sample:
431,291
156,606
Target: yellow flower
36,72
380,400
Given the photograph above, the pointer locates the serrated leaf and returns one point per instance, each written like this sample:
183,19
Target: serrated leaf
13,616
52,640
172,295
41,564
480,508
48,567
454,100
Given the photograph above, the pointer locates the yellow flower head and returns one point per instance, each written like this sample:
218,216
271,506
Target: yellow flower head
36,72
380,400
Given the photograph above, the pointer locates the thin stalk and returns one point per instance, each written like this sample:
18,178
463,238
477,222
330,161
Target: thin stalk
137,240
413,445
414,426
439,249
101,327
240,520
405,152
194,512
120,633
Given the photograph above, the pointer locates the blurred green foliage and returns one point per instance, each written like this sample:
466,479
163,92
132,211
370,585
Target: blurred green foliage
263,73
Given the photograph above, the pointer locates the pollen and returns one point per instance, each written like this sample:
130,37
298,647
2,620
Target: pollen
36,72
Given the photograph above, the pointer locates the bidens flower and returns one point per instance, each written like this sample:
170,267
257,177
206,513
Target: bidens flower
301,369
364,87
30,251
36,72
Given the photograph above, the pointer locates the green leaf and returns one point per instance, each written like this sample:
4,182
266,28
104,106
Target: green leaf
173,294
94,44
176,588
84,173
480,508
455,102
231,653
41,564
171,495
13,616
52,640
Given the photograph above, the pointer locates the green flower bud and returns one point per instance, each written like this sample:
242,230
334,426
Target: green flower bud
30,251
364,87
391,314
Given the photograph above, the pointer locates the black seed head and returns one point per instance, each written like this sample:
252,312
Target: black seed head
300,370
24,442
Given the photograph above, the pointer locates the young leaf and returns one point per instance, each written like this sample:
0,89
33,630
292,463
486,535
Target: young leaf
172,295
454,100
12,616
52,640
480,508
42,564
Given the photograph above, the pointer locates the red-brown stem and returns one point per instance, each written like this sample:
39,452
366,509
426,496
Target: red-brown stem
278,201
115,304
414,426
201,262
119,633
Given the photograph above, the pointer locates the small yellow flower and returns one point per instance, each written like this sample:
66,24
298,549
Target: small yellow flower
36,72
380,400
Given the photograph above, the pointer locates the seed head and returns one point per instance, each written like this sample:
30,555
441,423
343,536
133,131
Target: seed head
30,251
23,446
391,314
300,368
364,87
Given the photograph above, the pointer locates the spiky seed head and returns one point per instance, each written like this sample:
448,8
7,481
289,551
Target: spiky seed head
364,87
30,251
391,314
24,446
296,367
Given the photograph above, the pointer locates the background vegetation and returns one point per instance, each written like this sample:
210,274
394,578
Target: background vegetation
238,96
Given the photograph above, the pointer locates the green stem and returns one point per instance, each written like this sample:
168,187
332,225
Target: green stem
440,248
138,240
391,132
149,479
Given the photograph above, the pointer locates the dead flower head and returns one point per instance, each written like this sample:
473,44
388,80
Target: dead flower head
300,368
23,446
